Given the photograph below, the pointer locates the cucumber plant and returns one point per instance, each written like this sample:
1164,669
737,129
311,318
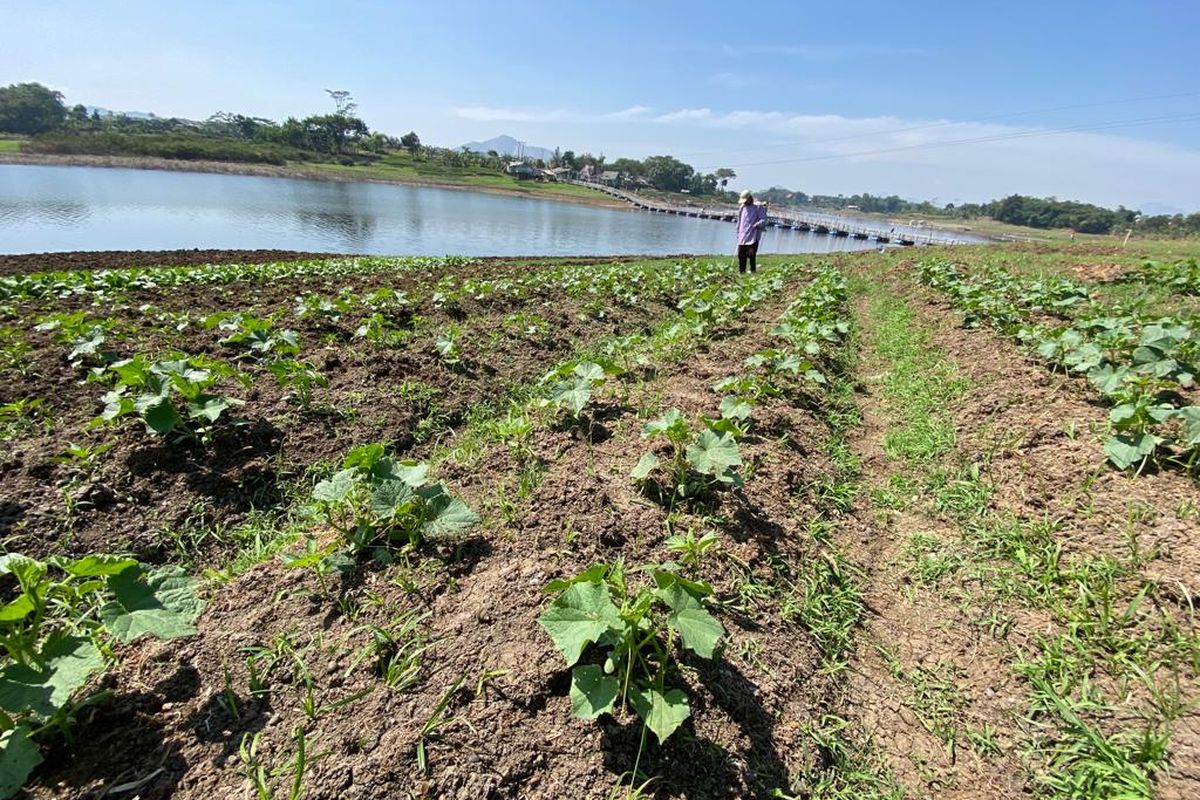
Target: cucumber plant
631,636
696,464
379,504
58,628
570,387
172,396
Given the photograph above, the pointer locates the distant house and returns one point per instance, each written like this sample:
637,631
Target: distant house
610,177
562,174
522,171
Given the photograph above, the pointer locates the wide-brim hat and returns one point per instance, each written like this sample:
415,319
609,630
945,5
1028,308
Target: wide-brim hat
744,196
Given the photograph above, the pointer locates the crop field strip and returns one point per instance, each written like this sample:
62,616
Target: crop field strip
1082,575
361,341
647,497
700,317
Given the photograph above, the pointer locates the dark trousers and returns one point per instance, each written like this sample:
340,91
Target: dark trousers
748,252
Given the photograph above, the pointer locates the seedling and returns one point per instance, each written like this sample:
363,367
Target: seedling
696,465
636,632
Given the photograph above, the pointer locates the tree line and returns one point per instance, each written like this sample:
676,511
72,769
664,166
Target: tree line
1016,209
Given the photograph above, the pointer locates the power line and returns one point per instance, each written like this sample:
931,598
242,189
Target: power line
932,125
978,140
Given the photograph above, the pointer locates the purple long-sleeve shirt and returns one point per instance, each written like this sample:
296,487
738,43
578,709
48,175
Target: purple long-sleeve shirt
747,228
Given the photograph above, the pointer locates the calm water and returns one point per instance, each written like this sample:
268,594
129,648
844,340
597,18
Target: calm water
80,208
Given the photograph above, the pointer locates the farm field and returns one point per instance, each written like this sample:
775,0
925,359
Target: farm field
904,525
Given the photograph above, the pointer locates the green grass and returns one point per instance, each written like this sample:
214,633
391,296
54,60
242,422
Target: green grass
11,145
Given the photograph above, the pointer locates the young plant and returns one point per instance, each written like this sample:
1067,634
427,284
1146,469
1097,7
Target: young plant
57,630
695,466
571,387
632,636
170,396
299,376
378,502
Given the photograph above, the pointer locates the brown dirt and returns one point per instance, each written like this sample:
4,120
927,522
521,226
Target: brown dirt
182,489
23,263
511,736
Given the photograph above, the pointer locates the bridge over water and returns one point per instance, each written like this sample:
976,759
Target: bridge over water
795,220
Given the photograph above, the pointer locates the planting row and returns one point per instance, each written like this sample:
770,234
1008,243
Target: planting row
1143,368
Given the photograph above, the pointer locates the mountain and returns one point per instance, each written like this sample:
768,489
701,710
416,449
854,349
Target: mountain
508,146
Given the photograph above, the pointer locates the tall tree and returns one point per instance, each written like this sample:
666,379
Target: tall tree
30,108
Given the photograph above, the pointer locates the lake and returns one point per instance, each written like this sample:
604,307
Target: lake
44,208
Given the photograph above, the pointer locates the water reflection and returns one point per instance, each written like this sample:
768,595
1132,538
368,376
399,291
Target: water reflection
49,212
80,208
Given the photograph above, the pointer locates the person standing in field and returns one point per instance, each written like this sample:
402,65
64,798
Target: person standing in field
751,219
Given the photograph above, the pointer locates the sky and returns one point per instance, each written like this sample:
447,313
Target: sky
1094,100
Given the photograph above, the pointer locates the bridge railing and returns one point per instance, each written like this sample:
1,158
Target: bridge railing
790,220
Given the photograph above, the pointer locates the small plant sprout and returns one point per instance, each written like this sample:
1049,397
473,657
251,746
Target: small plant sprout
695,466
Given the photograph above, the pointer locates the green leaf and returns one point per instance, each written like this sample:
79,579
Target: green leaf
671,423
572,395
1190,416
589,371
18,757
68,662
161,602
579,617
592,692
391,498
335,489
646,464
444,514
734,408
713,454
412,473
662,712
593,574
210,407
699,630
160,416
1128,449
97,565
365,456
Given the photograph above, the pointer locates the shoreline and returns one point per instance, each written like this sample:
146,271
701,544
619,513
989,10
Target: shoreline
273,171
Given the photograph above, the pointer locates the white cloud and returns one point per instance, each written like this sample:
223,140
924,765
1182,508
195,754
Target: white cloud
633,112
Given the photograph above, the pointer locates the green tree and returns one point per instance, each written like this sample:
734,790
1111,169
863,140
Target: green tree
668,173
30,108
410,141
724,175
330,133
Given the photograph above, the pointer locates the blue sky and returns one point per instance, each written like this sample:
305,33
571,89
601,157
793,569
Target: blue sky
821,97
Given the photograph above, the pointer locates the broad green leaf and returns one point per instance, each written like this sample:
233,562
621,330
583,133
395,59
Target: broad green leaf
1108,379
713,454
662,712
1190,417
161,602
68,662
391,498
364,456
592,692
444,514
572,395
1128,449
671,423
17,610
734,408
589,371
593,574
161,416
18,757
335,489
579,617
412,473
210,407
699,630
646,464
97,565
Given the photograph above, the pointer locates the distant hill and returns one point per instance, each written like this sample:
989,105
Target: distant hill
508,146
